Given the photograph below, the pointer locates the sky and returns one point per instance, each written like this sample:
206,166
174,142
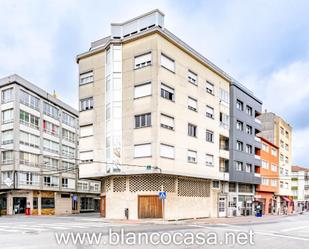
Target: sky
263,44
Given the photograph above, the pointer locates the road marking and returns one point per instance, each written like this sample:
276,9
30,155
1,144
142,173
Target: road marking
293,229
9,230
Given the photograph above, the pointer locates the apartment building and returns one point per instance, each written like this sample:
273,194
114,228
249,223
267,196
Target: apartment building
154,117
300,188
279,132
245,146
265,192
38,170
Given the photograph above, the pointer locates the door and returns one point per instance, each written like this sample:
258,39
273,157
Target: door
19,205
149,206
222,207
103,206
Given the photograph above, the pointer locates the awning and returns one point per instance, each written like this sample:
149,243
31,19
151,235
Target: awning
285,198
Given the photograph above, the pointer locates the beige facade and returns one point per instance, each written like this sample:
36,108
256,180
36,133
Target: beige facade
167,150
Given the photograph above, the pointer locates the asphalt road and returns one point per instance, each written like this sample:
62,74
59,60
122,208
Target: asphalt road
40,232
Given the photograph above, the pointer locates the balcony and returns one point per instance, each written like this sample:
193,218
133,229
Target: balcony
257,139
257,121
257,157
257,174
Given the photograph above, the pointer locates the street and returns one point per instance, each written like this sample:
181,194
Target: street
40,232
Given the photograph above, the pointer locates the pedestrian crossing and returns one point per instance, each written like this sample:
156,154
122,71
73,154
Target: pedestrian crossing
32,227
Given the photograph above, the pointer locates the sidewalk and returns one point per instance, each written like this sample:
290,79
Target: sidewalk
231,220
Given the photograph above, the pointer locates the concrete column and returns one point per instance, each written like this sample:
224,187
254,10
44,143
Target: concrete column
39,204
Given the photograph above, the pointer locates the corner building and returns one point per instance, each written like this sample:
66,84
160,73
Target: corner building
39,168
154,116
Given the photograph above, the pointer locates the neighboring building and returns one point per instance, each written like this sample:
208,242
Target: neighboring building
245,149
39,137
154,116
300,187
279,132
265,192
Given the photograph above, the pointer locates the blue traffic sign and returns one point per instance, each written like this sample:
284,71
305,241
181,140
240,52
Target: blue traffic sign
162,195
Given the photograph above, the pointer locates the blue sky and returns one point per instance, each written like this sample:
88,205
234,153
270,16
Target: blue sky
264,44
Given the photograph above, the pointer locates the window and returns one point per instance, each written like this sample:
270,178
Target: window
50,146
67,165
143,120
224,96
47,203
142,90
50,110
265,147
239,105
224,120
286,134
238,166
265,181
281,158
28,178
86,131
274,168
239,146
274,152
51,181
192,77
143,60
209,160
29,119
68,120
239,125
68,135
209,112
286,160
192,130
7,157
192,156
215,184
167,122
7,137
249,129
7,95
265,165
273,182
51,163
249,148
142,150
167,151
29,100
192,104
7,116
248,167
65,182
167,92
29,159
286,147
86,104
50,128
209,136
210,88
167,63
249,110
86,156
282,130
86,78
29,139
68,151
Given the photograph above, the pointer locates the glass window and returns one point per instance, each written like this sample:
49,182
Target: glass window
192,77
142,60
29,100
192,104
51,128
68,120
86,78
239,105
192,130
239,125
86,104
209,160
50,110
210,88
29,119
167,122
7,95
239,146
209,136
167,92
143,120
210,113
50,146
7,137
7,116
192,156
7,157
224,96
29,139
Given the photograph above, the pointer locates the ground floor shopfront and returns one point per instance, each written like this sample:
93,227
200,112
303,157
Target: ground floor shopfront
35,202
137,197
266,201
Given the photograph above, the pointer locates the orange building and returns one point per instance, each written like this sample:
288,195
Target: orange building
265,192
